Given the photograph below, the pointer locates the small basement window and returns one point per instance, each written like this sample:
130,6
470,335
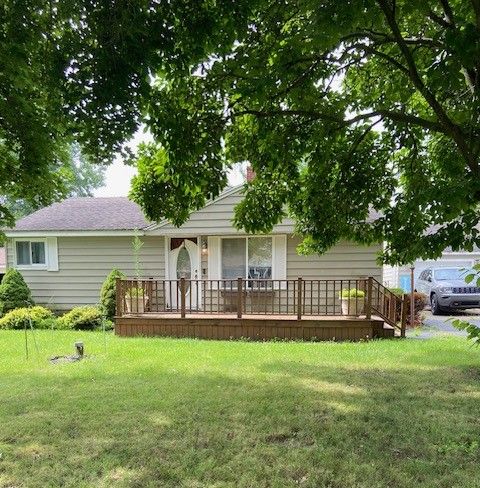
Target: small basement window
30,253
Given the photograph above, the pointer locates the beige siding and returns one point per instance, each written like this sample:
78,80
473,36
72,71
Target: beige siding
216,219
390,276
345,260
84,262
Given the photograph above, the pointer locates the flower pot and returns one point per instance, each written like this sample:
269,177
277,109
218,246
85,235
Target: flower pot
353,307
136,304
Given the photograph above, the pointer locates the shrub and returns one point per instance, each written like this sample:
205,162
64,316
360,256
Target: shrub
19,318
108,293
397,291
81,318
420,300
352,293
14,292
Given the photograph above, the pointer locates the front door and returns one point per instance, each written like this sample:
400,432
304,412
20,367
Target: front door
183,263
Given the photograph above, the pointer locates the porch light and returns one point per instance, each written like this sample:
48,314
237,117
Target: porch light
204,246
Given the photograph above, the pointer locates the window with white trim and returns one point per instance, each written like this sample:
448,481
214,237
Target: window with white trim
30,253
246,257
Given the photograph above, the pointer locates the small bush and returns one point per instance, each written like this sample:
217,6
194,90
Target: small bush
397,291
50,323
81,318
108,293
14,292
108,324
419,302
19,318
352,293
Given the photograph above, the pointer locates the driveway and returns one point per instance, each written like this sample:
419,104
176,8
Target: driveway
435,325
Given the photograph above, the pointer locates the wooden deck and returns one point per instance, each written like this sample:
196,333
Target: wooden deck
253,327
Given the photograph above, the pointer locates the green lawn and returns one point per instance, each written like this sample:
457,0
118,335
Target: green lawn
186,413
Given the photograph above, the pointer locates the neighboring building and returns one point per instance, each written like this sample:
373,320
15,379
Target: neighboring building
399,276
65,251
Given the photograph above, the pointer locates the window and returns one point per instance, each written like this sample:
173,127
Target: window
451,273
30,253
260,258
234,258
244,257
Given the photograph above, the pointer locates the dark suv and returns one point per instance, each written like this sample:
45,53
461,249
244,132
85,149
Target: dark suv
447,289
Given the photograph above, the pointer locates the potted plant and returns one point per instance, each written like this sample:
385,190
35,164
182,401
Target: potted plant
136,300
353,301
136,297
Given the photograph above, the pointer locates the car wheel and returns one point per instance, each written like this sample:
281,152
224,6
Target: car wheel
436,309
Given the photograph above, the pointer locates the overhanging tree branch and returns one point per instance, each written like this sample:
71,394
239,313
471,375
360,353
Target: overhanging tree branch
452,129
401,117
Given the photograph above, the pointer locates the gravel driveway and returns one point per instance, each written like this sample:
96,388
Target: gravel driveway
435,325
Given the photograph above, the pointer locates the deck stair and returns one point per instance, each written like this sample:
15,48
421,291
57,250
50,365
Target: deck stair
391,308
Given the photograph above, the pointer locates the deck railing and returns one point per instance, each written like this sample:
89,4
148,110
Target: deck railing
242,297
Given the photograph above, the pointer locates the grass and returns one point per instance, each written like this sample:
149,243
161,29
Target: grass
187,413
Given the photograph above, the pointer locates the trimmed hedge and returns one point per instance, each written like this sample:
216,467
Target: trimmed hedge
81,318
40,317
14,292
108,294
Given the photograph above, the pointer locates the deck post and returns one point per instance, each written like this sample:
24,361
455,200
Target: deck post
118,297
239,297
412,296
299,299
368,298
403,315
182,297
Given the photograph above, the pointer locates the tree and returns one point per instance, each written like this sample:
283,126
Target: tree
80,71
78,177
343,108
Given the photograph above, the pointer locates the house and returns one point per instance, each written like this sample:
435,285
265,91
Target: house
400,276
66,250
3,262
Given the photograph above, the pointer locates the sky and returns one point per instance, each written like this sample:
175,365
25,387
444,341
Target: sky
118,175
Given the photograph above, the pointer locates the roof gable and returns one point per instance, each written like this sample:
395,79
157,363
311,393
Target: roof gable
215,218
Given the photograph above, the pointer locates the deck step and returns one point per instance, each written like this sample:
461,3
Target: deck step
388,331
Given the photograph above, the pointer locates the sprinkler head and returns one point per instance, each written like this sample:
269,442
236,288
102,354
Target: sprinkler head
79,348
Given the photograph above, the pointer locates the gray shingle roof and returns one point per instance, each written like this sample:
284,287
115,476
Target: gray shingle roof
88,213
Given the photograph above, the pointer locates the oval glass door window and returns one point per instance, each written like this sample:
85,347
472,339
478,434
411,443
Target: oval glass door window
184,266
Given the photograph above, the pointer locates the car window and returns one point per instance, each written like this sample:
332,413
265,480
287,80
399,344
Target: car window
450,274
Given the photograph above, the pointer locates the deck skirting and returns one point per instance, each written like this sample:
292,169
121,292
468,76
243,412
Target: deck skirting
252,327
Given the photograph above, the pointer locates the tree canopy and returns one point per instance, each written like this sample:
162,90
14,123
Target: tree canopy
360,118
77,176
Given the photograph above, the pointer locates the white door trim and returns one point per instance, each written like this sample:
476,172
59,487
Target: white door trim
172,256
